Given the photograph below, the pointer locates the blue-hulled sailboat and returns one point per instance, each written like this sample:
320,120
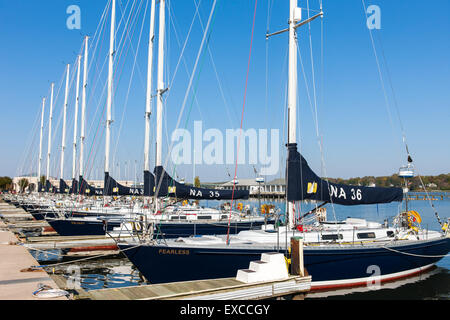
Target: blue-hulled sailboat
336,253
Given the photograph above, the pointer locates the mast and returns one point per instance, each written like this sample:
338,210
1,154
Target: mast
161,88
40,142
50,118
110,88
75,125
63,140
295,21
294,15
148,105
83,106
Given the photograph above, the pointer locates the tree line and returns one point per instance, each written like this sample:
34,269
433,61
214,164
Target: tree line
440,182
5,183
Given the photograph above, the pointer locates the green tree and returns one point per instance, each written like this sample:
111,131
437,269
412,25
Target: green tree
5,183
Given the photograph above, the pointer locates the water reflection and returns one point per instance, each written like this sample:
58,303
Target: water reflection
434,284
102,274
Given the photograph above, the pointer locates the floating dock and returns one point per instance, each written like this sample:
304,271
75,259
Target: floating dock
214,289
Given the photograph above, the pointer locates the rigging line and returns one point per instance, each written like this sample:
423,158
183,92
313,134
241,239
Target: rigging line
313,76
61,82
97,119
28,146
185,66
322,71
131,78
62,110
394,96
120,45
319,140
269,12
31,142
316,120
212,13
128,26
98,34
395,101
379,70
128,38
242,119
195,87
217,76
69,118
185,42
430,201
92,88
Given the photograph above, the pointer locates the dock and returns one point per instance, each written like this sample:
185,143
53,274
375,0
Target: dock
19,275
213,289
17,280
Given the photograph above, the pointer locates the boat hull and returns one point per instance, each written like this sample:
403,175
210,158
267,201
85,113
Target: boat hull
69,227
329,268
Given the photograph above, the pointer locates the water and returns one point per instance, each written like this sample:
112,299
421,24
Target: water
435,284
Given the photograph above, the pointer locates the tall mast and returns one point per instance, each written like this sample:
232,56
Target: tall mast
40,141
161,88
50,118
110,86
83,106
148,105
294,16
63,140
75,125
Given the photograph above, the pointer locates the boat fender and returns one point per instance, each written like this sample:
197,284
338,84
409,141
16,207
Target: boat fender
288,263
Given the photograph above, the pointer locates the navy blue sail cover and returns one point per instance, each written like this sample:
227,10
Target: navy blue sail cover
74,188
303,184
171,188
112,187
88,190
63,187
49,187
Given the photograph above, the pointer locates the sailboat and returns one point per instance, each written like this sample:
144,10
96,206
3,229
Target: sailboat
336,253
171,221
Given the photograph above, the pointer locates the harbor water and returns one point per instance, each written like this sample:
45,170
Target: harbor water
117,271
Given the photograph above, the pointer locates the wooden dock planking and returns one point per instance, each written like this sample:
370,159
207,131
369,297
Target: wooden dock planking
226,287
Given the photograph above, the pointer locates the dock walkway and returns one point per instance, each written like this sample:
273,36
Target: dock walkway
16,281
213,289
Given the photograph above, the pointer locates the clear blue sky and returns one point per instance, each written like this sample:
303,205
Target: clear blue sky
354,123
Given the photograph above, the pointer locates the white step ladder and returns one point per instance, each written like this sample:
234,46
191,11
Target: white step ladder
271,267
